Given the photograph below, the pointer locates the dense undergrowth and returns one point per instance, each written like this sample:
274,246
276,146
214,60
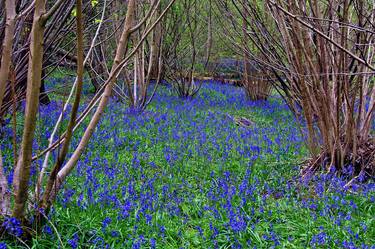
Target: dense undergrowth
184,175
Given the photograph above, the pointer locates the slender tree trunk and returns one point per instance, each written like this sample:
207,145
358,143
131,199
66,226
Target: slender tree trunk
6,58
4,191
59,120
136,79
155,46
246,59
43,97
72,122
209,35
22,171
121,51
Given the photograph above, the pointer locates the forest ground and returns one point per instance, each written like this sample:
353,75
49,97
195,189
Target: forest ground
184,175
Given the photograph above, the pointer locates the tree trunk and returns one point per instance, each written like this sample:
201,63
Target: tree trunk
72,122
6,59
121,51
22,171
155,47
43,96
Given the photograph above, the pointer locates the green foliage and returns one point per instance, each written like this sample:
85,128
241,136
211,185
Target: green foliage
294,224
74,12
94,2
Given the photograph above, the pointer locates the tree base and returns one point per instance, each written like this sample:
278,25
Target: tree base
356,168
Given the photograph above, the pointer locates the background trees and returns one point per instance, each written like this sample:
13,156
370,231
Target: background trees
321,56
187,45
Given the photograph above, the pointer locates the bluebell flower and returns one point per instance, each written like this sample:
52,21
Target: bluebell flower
106,222
74,242
48,230
152,243
320,239
13,226
115,234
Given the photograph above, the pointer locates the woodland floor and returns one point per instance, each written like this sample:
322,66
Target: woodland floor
184,175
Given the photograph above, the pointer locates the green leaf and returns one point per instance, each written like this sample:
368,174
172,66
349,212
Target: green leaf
74,12
94,3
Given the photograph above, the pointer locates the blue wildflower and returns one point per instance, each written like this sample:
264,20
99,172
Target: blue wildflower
13,226
74,242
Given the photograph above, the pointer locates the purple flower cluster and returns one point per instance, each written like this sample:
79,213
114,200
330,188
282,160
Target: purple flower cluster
13,226
183,174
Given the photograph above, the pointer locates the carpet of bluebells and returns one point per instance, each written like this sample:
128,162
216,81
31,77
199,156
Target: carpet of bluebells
184,175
